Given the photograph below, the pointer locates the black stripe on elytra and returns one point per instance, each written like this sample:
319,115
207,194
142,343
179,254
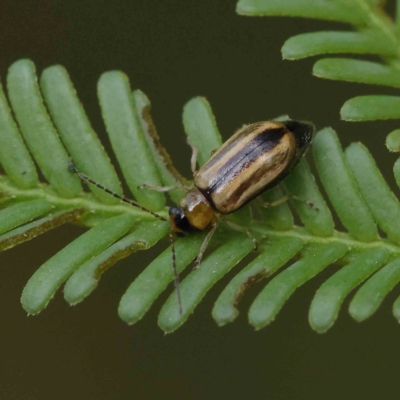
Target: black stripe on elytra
265,141
244,186
246,131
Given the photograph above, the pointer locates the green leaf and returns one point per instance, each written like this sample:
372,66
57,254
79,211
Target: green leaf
168,174
384,205
155,278
269,302
76,132
370,296
276,254
52,274
330,42
341,187
199,282
87,277
343,11
330,296
345,69
37,129
201,128
20,213
312,207
127,139
14,156
279,217
393,140
371,108
37,227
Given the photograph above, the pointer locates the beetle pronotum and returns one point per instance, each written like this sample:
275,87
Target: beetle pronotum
255,159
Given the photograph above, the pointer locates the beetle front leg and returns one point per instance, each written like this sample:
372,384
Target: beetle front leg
193,159
204,245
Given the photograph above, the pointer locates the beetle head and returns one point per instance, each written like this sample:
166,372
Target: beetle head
179,221
194,213
303,133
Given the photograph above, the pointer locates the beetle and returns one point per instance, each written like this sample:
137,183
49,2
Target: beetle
256,158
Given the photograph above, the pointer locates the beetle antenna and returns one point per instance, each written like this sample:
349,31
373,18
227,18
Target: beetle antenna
72,168
176,275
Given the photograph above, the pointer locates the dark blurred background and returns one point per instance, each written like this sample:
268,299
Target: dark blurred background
174,50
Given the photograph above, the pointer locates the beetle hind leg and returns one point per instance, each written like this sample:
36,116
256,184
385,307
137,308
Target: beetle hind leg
285,198
244,230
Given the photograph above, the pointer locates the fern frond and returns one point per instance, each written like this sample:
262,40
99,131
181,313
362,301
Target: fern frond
355,189
376,34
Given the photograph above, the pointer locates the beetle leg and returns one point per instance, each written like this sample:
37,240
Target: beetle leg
244,230
204,245
193,159
286,198
163,188
268,204
213,151
307,203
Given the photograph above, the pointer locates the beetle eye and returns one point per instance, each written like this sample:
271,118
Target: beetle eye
179,219
173,210
302,131
182,222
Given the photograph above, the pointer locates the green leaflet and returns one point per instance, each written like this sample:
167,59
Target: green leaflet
316,215
88,275
76,132
342,11
20,213
38,130
30,230
382,202
201,128
370,108
370,296
341,187
343,69
168,174
331,42
52,274
14,155
269,302
127,138
277,253
393,140
196,285
155,278
330,296
279,217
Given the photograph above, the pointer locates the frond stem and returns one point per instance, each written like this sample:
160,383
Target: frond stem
381,23
85,200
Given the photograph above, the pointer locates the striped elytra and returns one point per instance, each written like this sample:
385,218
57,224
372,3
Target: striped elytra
252,161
